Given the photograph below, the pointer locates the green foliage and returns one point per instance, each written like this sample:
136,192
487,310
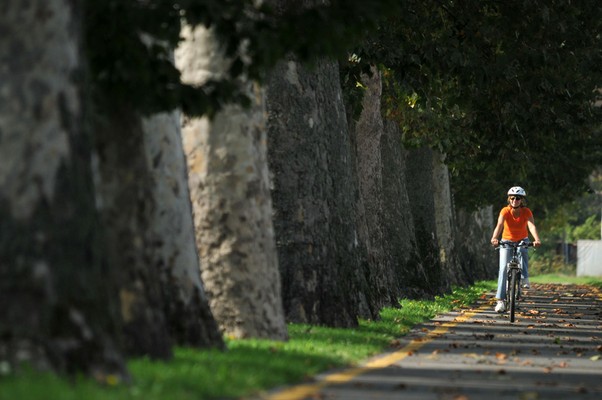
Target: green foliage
129,45
577,219
590,229
550,263
572,221
504,89
508,100
123,67
248,366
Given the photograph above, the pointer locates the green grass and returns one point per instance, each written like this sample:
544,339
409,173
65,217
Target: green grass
250,366
568,279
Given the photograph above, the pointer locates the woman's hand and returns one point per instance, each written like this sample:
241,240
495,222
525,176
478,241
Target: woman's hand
495,242
537,243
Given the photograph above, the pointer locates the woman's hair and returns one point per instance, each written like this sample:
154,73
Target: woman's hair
523,202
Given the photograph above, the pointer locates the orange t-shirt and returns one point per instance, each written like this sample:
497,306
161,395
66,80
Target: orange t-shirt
515,229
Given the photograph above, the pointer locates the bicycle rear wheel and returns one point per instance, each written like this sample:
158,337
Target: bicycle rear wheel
513,292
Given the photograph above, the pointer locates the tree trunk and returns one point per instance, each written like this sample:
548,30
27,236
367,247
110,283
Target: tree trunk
389,234
228,178
315,196
56,298
190,321
420,173
476,259
445,224
368,133
403,267
402,244
127,205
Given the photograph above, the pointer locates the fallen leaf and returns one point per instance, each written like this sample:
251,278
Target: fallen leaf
595,358
579,349
528,396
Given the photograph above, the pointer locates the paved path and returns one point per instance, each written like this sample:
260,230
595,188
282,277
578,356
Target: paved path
552,351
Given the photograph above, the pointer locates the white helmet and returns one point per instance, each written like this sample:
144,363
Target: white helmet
517,191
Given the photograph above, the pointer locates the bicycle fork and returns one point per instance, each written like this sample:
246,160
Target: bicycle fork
513,289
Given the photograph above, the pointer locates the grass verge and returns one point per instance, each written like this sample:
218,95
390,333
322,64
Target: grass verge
568,279
251,366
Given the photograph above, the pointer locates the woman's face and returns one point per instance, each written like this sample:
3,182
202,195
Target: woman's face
515,200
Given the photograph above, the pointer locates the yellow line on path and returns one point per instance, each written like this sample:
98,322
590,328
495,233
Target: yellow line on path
302,391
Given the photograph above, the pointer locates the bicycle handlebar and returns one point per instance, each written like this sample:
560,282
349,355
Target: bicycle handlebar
521,244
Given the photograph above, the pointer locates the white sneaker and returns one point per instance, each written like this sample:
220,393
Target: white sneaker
500,306
526,284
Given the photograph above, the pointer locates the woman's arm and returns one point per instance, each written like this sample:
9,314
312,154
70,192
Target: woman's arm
533,230
497,230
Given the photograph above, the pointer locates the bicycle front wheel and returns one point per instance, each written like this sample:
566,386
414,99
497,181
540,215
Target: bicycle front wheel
513,292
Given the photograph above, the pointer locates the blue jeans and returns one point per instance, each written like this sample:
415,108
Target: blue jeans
505,256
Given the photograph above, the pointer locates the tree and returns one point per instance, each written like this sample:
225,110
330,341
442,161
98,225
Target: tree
479,84
57,295
230,193
148,80
126,76
126,204
162,300
189,319
395,267
84,266
418,243
315,195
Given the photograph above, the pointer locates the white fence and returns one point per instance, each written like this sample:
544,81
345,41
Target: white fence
589,257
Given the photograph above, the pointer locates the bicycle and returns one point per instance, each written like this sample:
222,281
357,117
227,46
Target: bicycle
514,270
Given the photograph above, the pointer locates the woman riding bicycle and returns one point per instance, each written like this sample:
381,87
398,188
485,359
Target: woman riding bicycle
514,219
